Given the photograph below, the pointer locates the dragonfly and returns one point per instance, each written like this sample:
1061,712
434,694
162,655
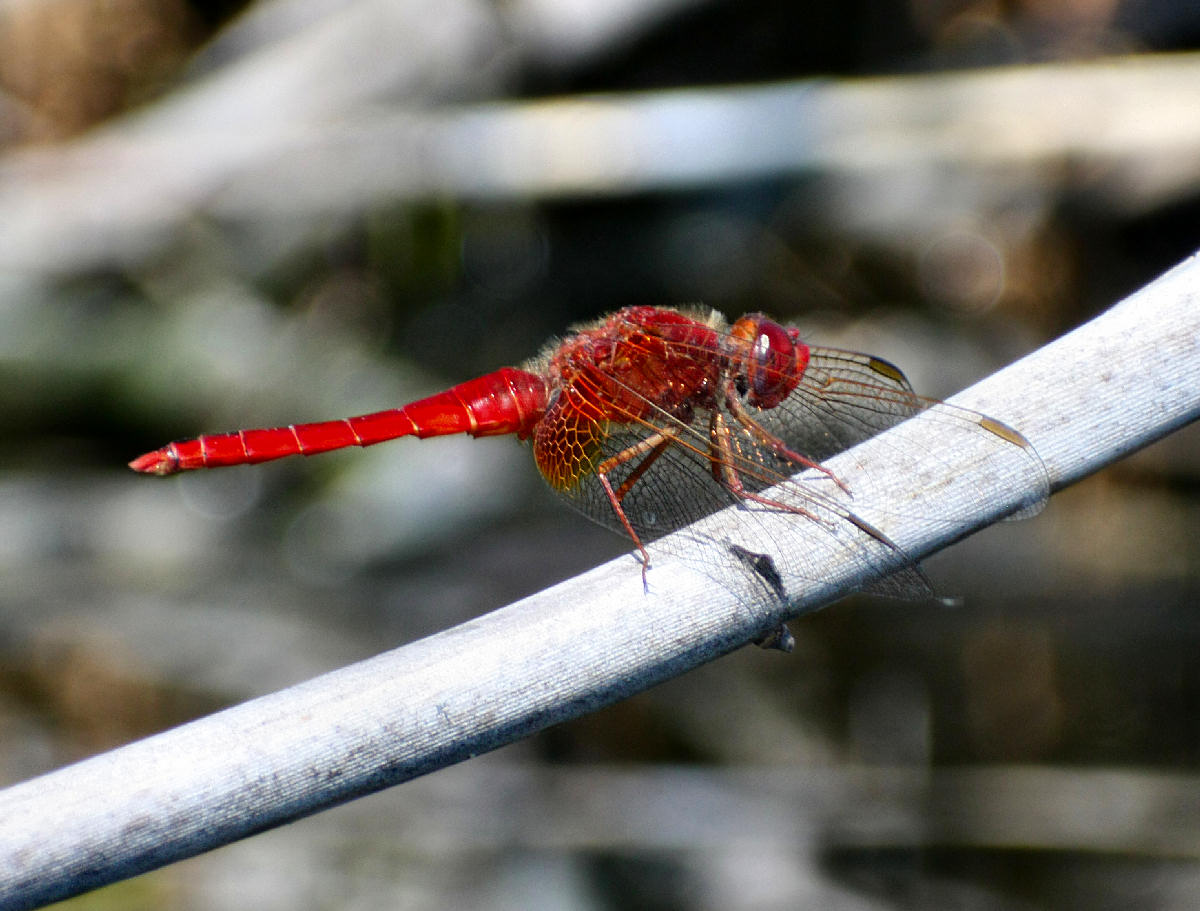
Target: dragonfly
649,419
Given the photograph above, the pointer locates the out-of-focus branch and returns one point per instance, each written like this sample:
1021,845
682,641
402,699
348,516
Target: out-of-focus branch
1130,126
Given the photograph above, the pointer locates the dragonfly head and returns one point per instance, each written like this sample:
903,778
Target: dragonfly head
765,359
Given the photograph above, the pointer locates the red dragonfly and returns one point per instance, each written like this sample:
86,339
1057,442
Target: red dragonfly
646,420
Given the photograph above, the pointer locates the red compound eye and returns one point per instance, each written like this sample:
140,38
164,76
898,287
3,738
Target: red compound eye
765,360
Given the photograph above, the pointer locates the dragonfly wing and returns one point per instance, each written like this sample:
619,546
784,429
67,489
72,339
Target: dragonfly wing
842,399
675,488
680,487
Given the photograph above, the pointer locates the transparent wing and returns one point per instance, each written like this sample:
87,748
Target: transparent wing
843,398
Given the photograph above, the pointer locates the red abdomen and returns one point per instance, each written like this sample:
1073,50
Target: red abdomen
506,401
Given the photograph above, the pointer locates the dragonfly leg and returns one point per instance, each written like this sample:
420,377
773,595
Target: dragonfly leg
723,461
729,477
775,444
652,447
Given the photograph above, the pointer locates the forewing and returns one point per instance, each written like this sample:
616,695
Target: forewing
842,399
845,398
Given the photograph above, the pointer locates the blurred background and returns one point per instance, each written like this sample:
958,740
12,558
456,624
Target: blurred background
221,215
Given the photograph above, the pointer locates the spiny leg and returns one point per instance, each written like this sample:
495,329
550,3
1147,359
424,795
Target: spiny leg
727,475
775,444
652,447
719,432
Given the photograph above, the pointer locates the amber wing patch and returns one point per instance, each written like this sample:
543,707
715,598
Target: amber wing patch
566,444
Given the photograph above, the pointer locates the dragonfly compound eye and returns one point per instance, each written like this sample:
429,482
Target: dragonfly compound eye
769,365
